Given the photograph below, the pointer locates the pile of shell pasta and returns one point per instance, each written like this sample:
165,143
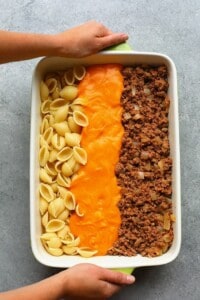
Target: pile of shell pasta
60,157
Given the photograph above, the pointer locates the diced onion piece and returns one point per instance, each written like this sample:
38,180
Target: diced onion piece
161,165
127,116
144,155
166,221
133,91
140,175
137,117
147,91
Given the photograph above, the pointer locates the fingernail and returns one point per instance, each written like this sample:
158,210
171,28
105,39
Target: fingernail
130,278
124,35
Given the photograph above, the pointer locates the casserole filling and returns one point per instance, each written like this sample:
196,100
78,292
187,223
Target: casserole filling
105,166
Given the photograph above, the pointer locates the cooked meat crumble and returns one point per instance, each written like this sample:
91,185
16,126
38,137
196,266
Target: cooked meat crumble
144,170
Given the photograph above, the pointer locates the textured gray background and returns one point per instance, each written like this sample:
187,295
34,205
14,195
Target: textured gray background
171,27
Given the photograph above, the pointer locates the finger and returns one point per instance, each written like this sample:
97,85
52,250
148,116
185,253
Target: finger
104,31
109,289
117,277
112,39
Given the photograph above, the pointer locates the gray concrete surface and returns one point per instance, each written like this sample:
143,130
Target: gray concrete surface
171,27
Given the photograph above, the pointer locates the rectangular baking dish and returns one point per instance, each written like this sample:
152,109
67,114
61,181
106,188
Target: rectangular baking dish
124,58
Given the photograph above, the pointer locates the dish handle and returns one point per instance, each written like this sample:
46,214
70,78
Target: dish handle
124,270
120,47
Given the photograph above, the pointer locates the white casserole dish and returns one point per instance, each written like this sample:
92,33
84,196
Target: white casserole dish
125,58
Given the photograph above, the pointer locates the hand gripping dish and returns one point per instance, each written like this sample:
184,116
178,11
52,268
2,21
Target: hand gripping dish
125,58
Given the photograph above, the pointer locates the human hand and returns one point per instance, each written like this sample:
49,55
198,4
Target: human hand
86,39
88,281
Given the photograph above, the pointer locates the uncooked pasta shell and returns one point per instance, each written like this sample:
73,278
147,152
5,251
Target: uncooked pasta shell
56,93
58,166
69,250
65,154
66,169
80,155
69,92
57,103
72,139
45,219
58,141
75,128
62,191
50,119
80,118
44,91
54,187
69,200
43,142
79,72
77,210
44,176
62,233
53,155
69,238
55,251
55,225
45,107
64,215
80,101
44,125
63,181
51,84
61,128
48,134
72,243
60,114
43,155
84,252
69,77
72,163
76,107
50,168
48,235
46,192
43,206
54,242
56,207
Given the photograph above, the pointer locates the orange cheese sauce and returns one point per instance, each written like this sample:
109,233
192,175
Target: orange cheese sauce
95,187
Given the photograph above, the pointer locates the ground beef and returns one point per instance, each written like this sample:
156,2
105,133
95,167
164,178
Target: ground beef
144,170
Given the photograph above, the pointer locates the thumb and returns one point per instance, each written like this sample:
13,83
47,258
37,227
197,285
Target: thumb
112,39
118,277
